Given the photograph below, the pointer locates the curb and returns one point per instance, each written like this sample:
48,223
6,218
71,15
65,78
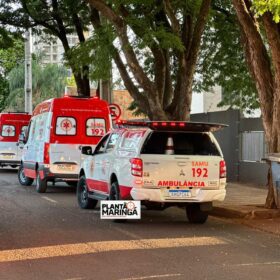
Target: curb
245,212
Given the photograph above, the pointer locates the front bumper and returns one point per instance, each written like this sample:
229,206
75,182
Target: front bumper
198,195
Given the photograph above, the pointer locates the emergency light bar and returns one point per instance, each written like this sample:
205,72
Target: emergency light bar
173,125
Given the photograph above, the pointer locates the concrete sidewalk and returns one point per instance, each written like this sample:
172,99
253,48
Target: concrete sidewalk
245,204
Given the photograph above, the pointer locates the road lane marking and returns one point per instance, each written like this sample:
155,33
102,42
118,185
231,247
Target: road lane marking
104,246
49,199
252,264
128,233
153,276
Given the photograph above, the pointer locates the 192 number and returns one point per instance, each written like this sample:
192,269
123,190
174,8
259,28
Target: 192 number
200,172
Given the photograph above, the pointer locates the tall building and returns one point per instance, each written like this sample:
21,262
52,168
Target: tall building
52,51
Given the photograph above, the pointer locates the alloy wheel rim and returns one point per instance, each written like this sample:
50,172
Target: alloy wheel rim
22,175
84,194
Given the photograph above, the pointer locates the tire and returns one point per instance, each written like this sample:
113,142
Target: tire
14,166
41,185
24,180
82,195
115,195
195,215
72,183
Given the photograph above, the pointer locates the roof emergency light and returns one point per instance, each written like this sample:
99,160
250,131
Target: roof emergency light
172,125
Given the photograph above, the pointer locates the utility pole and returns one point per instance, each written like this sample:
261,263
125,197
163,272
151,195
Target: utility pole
28,73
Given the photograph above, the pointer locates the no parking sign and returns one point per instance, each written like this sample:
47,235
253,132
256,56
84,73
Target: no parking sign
115,111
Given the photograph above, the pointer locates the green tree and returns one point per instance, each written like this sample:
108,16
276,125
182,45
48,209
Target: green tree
222,60
57,18
260,34
47,82
271,6
166,49
157,51
11,54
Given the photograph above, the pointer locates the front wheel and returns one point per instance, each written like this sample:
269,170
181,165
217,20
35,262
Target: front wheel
24,180
41,184
195,215
115,195
84,201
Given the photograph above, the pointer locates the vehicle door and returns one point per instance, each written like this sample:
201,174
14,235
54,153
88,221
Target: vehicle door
107,158
8,147
28,149
20,145
103,156
94,176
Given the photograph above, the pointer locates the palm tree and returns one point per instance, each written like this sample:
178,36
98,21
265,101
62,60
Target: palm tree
47,81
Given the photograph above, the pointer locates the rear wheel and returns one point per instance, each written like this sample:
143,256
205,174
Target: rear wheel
14,166
84,201
195,215
24,180
115,195
41,184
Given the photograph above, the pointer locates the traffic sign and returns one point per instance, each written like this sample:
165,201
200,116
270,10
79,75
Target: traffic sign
115,111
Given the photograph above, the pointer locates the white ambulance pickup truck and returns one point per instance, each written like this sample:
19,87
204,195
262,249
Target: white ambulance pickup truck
161,164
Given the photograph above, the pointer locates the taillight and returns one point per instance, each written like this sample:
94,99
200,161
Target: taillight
223,169
47,153
136,167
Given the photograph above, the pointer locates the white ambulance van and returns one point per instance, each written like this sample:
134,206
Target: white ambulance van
11,125
58,129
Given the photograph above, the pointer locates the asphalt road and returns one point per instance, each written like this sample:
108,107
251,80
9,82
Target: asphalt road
46,236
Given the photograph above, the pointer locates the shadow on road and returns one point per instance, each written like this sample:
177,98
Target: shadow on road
8,170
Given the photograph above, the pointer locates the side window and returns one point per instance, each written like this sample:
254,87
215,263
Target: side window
66,126
31,130
40,127
132,139
95,127
24,129
101,147
8,131
113,141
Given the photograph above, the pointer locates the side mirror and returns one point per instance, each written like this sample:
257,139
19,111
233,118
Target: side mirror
87,150
22,138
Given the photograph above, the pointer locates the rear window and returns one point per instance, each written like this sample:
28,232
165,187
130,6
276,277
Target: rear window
96,127
8,130
181,143
66,126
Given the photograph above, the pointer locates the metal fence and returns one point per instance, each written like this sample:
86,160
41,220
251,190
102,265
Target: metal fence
242,143
253,146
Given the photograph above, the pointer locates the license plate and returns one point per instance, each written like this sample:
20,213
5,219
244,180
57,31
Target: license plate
8,156
65,167
179,193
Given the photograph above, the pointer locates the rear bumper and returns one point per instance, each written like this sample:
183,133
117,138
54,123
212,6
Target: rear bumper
156,195
45,173
9,162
